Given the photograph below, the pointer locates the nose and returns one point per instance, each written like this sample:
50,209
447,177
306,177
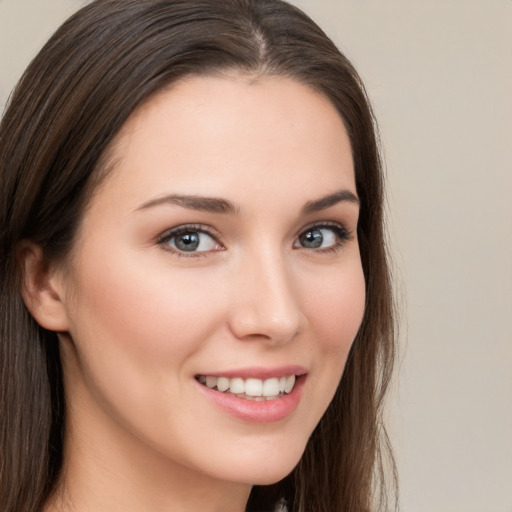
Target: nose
265,302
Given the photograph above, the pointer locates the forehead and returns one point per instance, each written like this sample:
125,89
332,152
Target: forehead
222,135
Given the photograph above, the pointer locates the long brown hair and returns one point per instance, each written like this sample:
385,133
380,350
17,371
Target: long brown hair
102,64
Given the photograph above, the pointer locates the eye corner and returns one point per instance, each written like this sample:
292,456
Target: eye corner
329,236
197,241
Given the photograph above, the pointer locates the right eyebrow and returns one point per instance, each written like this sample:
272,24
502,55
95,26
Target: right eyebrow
202,203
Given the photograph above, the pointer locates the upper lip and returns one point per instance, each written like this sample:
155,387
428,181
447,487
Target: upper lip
259,372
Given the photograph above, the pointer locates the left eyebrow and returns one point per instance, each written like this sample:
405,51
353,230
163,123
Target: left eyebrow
207,204
327,201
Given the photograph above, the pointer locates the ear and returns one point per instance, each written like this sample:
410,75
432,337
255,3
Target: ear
41,288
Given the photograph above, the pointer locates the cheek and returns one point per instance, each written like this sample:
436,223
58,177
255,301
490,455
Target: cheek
337,307
146,309
137,331
137,328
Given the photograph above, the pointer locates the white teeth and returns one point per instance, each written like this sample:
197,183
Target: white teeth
237,386
290,382
251,389
270,387
223,384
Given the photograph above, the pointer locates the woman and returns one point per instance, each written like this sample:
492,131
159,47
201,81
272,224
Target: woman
196,305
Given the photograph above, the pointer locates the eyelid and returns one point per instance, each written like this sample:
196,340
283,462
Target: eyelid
325,224
342,233
163,238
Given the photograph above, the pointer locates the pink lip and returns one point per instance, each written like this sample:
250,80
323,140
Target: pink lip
266,411
260,372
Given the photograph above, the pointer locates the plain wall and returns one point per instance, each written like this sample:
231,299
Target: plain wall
440,76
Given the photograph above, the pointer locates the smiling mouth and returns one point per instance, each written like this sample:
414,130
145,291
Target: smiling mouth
250,389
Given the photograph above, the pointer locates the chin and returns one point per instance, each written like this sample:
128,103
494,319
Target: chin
265,470
273,478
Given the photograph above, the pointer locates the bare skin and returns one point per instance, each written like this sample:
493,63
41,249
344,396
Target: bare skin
161,289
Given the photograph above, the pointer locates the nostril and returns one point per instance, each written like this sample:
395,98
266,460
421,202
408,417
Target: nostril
260,328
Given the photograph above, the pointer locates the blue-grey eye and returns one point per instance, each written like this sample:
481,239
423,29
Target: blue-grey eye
317,238
192,241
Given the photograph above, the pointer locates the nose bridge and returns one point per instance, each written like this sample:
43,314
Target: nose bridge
266,303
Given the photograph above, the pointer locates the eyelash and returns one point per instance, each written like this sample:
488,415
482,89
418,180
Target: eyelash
341,233
188,228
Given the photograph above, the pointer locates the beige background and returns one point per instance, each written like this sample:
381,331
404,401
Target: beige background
440,75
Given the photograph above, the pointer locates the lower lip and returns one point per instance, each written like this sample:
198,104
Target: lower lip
265,411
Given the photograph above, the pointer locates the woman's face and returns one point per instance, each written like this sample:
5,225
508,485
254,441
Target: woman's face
217,263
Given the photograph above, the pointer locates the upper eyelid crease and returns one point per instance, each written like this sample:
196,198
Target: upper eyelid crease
193,228
333,225
208,230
